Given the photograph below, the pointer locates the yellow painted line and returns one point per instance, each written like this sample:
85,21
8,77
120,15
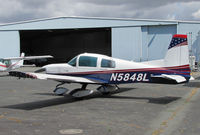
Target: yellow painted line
164,124
191,73
10,118
70,131
194,91
2,116
136,126
15,120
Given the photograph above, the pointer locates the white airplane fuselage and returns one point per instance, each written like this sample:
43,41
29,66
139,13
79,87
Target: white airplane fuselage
108,70
2,67
7,65
122,71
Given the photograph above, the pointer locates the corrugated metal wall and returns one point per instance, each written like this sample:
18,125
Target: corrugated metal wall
141,43
126,43
193,32
156,40
79,22
9,44
137,40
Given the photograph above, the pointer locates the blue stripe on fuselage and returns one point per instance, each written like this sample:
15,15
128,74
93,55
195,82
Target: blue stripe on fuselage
126,77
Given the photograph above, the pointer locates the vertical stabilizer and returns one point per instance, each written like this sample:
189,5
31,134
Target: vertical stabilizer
21,62
178,53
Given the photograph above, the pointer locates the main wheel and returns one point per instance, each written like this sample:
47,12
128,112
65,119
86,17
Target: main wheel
79,93
103,90
107,89
60,91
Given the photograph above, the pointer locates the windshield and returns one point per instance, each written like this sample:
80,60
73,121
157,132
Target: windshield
72,62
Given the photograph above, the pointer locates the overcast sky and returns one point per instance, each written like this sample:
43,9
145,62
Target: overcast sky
21,10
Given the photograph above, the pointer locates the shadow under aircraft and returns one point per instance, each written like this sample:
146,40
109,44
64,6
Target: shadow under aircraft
69,99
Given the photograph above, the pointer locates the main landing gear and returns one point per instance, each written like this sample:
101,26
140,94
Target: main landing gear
77,93
106,89
83,92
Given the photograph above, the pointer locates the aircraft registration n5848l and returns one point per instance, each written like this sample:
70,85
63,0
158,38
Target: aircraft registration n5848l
108,72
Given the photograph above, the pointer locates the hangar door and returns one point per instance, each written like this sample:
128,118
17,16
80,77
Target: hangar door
156,40
126,43
65,44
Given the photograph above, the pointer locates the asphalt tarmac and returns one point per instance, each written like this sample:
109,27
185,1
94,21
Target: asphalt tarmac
30,107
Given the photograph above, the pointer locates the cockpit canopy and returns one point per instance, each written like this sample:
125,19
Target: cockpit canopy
92,61
6,62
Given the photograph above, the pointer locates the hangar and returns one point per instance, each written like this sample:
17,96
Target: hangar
65,37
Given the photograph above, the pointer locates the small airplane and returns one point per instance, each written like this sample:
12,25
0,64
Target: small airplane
8,64
108,72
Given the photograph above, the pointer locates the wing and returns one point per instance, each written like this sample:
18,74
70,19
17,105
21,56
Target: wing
28,57
60,78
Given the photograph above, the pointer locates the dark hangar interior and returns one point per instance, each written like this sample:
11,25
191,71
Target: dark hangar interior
64,44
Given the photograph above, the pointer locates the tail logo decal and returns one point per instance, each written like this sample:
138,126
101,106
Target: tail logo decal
178,40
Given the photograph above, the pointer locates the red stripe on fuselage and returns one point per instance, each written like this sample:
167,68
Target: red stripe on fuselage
175,69
3,66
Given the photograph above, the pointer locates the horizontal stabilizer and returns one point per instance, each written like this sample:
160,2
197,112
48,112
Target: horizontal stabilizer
192,78
177,78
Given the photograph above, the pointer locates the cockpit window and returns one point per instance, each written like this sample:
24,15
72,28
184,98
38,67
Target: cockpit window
6,62
72,62
87,61
107,63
